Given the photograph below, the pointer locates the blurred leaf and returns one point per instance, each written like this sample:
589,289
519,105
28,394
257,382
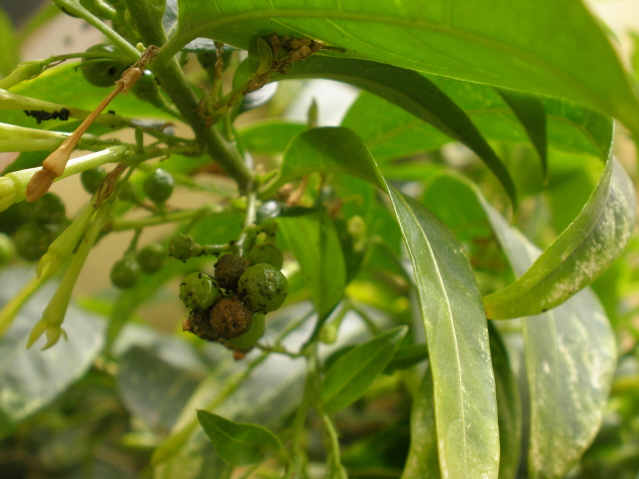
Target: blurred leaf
580,254
532,115
269,136
422,456
152,389
570,360
9,53
509,410
416,94
488,45
32,378
351,375
239,444
314,242
406,357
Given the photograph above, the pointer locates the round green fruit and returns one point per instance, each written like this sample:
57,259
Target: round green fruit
228,270
263,287
198,291
266,253
102,72
151,258
92,179
158,186
125,273
6,249
180,246
230,318
32,240
49,209
253,335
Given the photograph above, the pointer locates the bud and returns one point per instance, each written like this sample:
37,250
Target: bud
24,71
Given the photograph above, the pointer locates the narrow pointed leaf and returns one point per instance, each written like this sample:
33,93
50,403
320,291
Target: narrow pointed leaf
416,94
532,115
351,375
239,444
581,253
463,39
422,455
316,246
570,360
454,320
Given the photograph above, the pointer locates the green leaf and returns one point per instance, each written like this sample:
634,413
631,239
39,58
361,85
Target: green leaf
239,444
581,253
315,244
351,375
269,136
464,40
407,356
452,312
508,407
532,115
416,94
422,455
9,52
570,361
32,378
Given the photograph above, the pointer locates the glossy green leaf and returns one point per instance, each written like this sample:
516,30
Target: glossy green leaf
32,378
239,444
509,407
422,455
351,375
416,94
269,136
580,254
570,360
532,115
464,40
315,244
452,312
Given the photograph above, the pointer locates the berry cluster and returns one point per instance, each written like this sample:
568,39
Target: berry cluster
47,220
229,307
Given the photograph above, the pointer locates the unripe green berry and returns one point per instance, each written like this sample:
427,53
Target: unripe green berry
266,253
230,318
92,179
6,249
49,209
102,73
198,291
253,335
180,246
263,287
151,258
32,240
125,273
228,270
158,186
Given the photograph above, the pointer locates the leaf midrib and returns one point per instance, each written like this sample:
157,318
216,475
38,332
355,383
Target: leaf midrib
181,39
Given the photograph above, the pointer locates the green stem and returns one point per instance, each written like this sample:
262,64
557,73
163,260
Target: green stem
121,224
174,82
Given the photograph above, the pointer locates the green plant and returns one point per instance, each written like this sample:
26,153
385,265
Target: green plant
337,276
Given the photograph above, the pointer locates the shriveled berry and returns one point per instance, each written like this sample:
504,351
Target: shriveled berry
49,209
180,246
158,186
230,318
125,273
92,179
266,253
151,258
263,287
32,240
228,270
253,335
102,72
199,324
198,291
